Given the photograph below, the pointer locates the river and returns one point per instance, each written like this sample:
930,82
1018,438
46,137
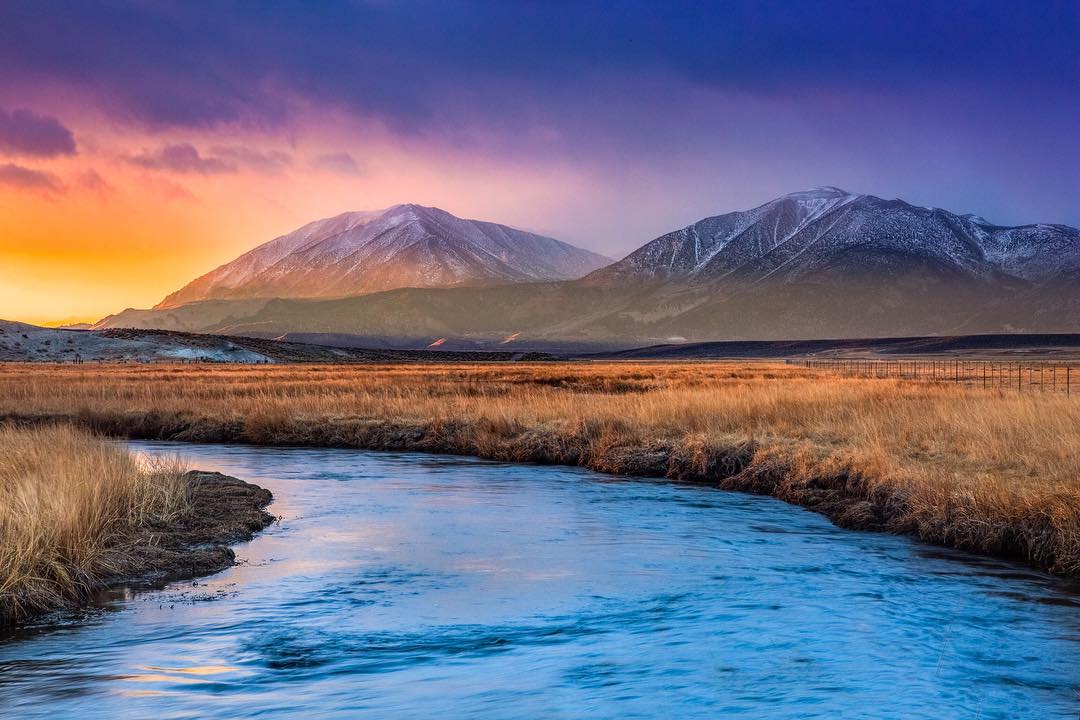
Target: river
418,586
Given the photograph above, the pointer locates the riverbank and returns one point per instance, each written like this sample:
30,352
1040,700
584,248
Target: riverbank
78,514
993,472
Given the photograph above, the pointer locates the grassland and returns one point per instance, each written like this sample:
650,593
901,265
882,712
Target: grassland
69,503
991,471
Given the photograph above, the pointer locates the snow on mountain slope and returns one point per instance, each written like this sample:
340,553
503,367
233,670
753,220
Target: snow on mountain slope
830,232
813,264
402,246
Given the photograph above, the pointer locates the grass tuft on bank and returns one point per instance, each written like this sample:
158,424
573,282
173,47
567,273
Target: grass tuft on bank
70,503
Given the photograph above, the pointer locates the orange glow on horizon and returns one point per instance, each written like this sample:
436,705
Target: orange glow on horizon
93,249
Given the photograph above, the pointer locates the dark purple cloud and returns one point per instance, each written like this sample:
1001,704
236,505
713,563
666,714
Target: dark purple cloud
181,158
23,132
268,161
968,104
201,65
339,162
185,158
24,178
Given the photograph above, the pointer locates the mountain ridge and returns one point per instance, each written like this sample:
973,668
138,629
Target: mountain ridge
812,264
792,233
405,245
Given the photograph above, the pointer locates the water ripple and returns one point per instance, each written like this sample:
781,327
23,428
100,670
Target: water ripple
401,585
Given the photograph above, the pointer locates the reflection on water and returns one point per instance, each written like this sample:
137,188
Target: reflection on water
412,586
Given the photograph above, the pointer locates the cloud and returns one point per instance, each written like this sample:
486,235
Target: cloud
338,162
879,92
23,132
185,158
270,161
182,158
166,188
407,63
24,178
91,180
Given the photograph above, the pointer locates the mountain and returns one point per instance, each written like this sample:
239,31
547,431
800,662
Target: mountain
829,233
829,263
822,263
403,246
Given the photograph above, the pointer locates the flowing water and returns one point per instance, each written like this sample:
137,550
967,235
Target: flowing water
404,585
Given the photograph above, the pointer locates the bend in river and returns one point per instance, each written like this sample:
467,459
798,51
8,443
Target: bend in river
405,585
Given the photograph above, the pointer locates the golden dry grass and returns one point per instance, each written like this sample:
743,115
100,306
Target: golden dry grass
994,471
68,502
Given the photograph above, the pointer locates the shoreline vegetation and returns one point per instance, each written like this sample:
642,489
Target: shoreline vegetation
79,514
994,472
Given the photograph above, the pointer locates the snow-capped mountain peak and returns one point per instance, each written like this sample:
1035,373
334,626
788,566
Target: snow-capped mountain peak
405,245
830,232
823,192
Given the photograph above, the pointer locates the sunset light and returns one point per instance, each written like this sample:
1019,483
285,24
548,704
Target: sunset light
536,359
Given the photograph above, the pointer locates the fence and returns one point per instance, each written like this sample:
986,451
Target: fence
1018,375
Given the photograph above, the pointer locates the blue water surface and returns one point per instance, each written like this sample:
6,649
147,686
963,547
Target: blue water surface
417,586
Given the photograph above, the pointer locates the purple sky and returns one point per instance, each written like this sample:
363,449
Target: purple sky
666,112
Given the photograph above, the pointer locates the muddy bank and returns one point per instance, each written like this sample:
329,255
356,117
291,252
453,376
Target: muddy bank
793,472
222,511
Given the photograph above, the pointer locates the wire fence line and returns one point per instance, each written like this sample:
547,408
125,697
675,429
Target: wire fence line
1023,376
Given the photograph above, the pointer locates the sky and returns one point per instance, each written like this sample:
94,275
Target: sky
144,143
